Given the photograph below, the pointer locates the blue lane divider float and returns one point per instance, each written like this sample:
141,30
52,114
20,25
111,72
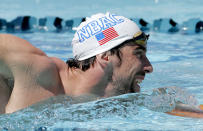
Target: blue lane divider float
166,25
22,24
51,23
29,24
143,25
199,27
194,25
72,23
3,23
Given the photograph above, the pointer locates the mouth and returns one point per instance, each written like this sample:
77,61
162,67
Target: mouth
129,86
138,81
137,87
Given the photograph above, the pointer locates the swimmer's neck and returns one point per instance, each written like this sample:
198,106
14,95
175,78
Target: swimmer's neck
91,81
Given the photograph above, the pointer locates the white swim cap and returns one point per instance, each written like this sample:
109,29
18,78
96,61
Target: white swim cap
100,33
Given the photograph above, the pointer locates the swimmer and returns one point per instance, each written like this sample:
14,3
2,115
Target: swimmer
109,59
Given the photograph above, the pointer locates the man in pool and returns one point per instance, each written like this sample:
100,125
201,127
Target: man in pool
109,59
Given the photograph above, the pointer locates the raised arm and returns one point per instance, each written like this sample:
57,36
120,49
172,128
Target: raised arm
35,75
12,46
10,43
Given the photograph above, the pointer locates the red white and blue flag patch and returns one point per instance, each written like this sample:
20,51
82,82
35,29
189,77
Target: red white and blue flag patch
106,35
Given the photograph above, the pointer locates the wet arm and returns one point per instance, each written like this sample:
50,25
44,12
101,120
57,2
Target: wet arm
10,43
12,46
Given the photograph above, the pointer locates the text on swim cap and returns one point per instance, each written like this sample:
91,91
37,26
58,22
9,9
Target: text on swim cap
96,26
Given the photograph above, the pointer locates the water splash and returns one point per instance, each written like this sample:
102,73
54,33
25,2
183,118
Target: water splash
65,108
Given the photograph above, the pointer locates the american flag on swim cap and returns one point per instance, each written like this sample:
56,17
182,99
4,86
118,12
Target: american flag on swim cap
106,35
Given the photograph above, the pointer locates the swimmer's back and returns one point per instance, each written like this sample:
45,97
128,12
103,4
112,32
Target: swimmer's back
36,76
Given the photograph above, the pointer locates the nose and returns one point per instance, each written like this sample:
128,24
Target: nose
147,66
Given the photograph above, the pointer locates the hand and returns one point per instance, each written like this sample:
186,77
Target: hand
185,103
187,111
177,94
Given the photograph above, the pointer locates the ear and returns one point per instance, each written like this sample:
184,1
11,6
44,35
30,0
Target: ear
103,58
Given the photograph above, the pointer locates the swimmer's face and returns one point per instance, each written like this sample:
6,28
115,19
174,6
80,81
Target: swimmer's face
130,72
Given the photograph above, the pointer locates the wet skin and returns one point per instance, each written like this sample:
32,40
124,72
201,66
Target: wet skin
37,76
130,71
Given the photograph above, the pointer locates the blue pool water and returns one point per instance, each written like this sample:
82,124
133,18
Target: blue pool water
177,60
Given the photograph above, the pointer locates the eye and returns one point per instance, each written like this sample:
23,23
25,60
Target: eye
138,54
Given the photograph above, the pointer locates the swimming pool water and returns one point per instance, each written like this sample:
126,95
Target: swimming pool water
177,60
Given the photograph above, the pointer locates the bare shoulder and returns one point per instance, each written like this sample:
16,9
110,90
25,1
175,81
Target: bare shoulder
27,63
60,64
62,67
36,76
